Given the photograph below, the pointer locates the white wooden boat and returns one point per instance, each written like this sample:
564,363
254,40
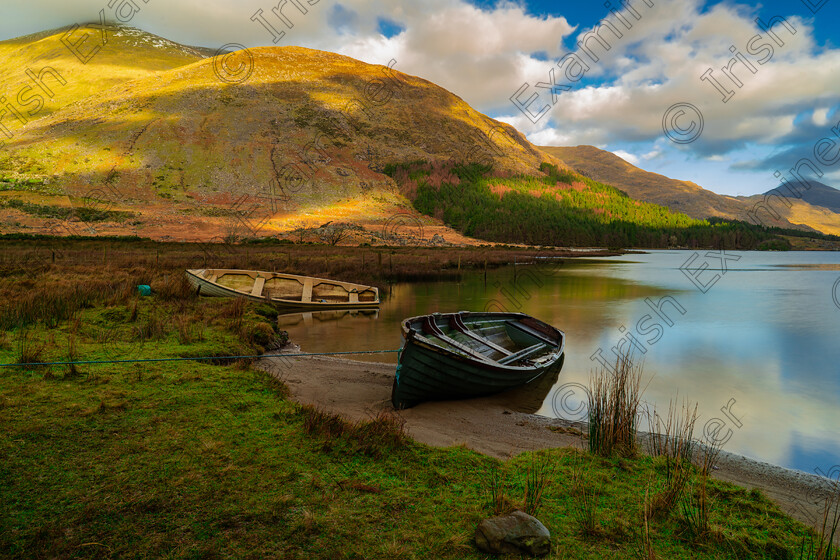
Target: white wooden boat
283,290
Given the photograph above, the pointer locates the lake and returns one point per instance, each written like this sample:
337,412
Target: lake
751,337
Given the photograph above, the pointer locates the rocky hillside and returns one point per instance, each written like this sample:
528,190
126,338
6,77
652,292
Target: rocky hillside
293,133
680,196
96,65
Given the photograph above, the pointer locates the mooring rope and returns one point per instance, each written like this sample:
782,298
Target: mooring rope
198,358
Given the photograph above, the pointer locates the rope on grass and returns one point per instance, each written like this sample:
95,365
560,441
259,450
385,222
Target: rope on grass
198,358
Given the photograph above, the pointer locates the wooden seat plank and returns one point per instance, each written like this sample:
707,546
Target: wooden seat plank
457,324
259,284
431,328
522,354
306,297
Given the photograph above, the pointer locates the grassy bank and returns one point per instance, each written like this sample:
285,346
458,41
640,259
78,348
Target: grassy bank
211,460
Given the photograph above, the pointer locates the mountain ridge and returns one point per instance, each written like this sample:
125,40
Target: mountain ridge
692,199
174,144
813,192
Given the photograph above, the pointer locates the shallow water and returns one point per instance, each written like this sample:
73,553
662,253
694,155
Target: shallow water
751,337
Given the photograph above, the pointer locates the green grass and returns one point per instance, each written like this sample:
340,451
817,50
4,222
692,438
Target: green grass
200,460
192,460
38,186
64,213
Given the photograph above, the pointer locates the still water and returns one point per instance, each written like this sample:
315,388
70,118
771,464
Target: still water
752,337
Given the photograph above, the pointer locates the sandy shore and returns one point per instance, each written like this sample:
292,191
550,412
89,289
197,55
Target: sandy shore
493,426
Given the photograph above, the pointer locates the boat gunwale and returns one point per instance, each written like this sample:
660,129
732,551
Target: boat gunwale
411,336
281,275
194,274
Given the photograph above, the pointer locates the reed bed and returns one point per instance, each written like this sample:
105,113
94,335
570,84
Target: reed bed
672,438
614,399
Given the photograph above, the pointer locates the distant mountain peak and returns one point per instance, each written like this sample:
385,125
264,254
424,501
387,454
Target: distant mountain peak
815,210
812,192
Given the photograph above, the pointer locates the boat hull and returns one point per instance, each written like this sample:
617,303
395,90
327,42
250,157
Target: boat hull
208,287
428,372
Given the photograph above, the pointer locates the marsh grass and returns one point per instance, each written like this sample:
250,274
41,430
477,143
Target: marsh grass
823,545
381,434
585,491
499,502
188,330
644,549
72,354
672,439
706,456
28,348
614,398
694,509
537,481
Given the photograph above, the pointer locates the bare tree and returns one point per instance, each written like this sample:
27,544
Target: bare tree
300,230
334,234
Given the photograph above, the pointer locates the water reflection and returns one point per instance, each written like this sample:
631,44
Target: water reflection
765,335
308,319
530,397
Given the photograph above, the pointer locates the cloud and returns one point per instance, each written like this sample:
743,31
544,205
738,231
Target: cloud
660,62
627,156
478,54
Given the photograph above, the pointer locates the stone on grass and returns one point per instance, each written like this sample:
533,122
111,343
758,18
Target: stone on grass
515,533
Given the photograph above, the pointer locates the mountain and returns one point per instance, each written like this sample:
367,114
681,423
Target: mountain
680,196
126,54
694,200
812,192
175,146
152,138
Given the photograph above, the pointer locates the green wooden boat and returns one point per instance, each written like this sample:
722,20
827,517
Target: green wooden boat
466,354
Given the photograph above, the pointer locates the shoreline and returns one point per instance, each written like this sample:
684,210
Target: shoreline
492,426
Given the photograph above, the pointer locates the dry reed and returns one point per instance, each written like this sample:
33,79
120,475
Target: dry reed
614,399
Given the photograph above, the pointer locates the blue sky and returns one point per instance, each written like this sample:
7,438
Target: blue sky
731,163
486,52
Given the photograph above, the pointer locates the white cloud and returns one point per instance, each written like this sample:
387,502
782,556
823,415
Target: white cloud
670,49
481,56
627,156
820,116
